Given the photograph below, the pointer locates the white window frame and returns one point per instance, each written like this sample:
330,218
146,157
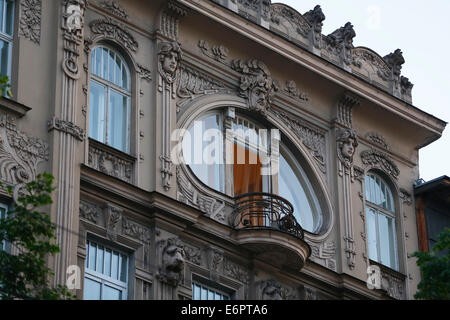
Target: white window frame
104,279
379,210
210,289
110,86
9,38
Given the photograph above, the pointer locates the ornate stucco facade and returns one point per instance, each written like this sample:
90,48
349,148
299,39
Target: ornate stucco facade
346,111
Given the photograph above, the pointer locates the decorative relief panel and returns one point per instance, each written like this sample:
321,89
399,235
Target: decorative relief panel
110,29
236,271
324,254
216,52
193,83
290,23
188,194
135,230
20,154
406,197
193,254
111,162
380,160
67,127
378,140
294,92
30,20
115,9
311,138
113,215
89,211
393,283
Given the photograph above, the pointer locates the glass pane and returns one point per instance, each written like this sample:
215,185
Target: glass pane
204,294
4,57
125,78
203,151
97,112
124,268
110,293
9,23
98,62
210,295
387,248
118,71
372,234
118,121
291,188
100,252
105,64
92,255
108,262
2,5
92,289
115,266
197,295
112,66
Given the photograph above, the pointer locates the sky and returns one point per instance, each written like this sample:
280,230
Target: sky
420,29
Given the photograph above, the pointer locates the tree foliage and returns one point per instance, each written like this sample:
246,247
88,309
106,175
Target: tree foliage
435,270
25,275
5,87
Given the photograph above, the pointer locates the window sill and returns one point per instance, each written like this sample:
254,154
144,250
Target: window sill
13,107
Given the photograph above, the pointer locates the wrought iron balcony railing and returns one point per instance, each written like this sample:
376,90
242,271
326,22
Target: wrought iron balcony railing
265,211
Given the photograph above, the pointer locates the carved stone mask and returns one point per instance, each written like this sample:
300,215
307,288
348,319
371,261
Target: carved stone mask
348,149
173,259
271,292
169,58
170,62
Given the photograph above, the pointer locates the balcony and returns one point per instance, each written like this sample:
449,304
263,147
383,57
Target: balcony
265,225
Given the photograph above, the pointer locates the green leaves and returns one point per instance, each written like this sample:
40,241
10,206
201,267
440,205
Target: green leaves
5,87
435,270
25,275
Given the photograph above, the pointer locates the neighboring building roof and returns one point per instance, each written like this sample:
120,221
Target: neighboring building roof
439,188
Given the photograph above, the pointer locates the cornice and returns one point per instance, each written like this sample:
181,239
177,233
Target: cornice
13,107
318,65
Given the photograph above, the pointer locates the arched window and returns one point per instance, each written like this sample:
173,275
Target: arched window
242,162
110,92
380,219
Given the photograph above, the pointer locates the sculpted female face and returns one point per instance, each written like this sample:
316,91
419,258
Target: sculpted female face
170,62
348,148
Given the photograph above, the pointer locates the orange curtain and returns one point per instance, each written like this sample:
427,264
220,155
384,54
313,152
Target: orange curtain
248,179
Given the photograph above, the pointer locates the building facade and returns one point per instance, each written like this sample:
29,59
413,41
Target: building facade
104,92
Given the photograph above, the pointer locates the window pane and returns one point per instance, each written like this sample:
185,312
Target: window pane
4,57
118,121
97,112
115,266
387,249
92,289
9,23
118,71
124,268
372,234
108,262
112,66
110,293
92,255
2,5
196,295
105,64
125,78
98,62
99,267
291,188
203,151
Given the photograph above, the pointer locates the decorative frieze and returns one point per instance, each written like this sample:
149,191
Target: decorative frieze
89,211
216,52
256,84
193,254
189,195
378,140
312,138
30,20
236,272
294,92
144,73
380,160
67,127
111,162
114,8
135,230
393,283
193,83
113,30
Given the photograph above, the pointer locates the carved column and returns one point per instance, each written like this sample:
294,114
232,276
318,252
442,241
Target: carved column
346,143
169,58
66,139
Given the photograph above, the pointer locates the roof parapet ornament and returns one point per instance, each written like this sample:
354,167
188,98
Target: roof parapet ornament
395,60
341,41
315,18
